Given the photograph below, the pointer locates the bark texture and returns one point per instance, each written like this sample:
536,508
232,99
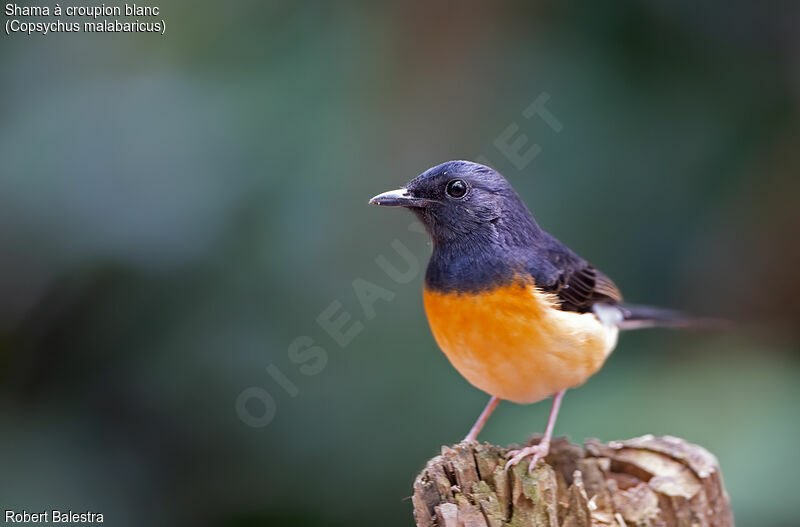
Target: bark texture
646,481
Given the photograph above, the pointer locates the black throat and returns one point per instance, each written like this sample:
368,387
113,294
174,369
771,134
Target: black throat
493,255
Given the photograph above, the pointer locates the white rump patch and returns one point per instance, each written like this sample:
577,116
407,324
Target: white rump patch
610,316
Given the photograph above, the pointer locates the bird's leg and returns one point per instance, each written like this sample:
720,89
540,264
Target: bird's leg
541,450
476,428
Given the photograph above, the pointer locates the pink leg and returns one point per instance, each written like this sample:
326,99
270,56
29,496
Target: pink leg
476,428
551,421
541,450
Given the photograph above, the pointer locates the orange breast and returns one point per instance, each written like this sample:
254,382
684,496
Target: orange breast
514,343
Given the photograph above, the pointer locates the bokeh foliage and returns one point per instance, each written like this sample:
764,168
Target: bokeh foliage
176,210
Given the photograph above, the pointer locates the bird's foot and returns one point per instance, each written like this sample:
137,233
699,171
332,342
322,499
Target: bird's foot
539,452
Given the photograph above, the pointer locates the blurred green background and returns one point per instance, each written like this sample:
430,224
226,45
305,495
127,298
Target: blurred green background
176,210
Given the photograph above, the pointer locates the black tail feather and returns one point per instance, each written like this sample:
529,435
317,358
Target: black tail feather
640,317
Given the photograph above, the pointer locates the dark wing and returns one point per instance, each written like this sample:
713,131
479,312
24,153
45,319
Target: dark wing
577,283
581,287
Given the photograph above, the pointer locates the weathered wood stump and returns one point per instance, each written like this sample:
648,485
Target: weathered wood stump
646,481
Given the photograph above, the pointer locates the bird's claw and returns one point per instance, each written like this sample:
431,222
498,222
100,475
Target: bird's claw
539,452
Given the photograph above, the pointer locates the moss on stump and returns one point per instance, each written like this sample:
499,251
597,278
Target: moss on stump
646,481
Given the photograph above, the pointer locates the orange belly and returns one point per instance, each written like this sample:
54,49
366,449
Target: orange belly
514,343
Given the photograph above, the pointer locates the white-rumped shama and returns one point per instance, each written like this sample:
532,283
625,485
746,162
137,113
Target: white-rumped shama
517,313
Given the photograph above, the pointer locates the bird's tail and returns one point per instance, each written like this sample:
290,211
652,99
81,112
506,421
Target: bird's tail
639,317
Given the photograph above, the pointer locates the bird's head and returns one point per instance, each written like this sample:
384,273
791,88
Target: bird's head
461,201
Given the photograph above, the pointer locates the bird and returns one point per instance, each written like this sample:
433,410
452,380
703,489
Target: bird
517,313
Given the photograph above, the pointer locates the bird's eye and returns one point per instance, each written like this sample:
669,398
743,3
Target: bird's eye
456,188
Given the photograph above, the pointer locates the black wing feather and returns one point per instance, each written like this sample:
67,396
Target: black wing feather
577,284
581,287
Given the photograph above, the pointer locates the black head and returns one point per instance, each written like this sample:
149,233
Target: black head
461,202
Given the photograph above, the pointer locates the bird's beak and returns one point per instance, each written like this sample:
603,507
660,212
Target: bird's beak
397,198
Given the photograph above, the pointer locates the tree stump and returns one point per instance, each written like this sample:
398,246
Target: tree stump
646,481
